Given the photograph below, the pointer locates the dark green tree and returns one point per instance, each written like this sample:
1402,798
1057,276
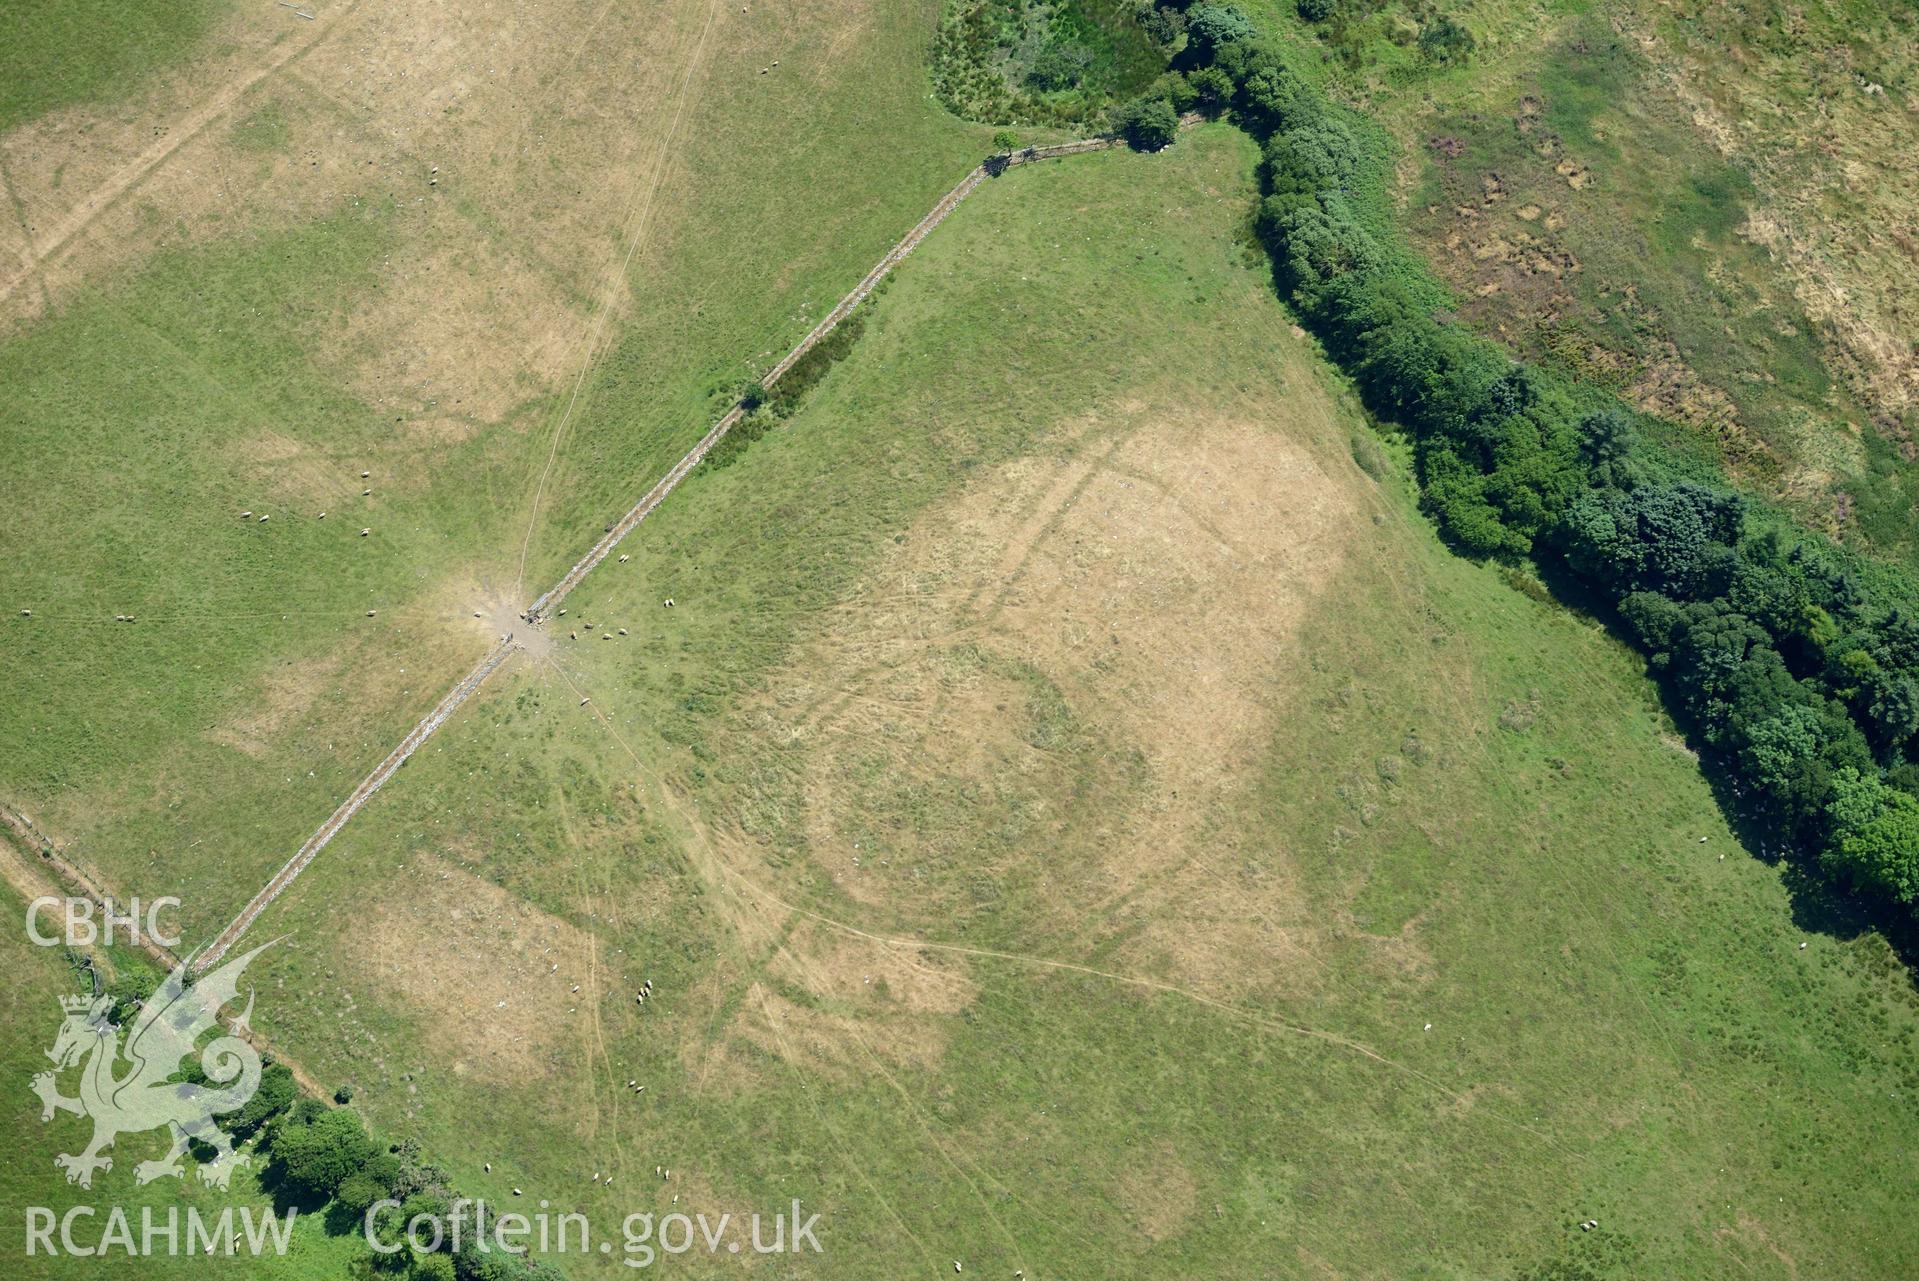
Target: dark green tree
1212,91
1062,64
1210,26
1675,539
132,986
1443,40
1147,124
276,1094
1875,836
1606,442
431,1267
317,1152
1270,96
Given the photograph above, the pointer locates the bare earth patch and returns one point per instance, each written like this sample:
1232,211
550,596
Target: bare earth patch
465,955
287,691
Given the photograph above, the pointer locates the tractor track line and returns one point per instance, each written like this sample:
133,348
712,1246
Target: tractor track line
76,220
831,321
636,238
552,598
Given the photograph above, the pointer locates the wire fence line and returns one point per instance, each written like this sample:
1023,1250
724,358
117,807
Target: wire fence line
224,941
615,533
950,201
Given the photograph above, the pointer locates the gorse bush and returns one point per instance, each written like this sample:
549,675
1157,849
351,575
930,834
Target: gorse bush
317,1149
1048,62
766,406
1444,40
1794,664
1356,33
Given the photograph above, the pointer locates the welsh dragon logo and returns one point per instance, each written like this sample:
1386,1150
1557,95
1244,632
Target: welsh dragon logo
145,1096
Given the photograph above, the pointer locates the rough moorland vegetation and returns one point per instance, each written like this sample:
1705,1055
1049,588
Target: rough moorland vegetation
1047,62
1421,30
1794,664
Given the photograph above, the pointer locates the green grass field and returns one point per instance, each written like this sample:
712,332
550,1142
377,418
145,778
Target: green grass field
137,421
1077,818
1157,1017
61,53
351,316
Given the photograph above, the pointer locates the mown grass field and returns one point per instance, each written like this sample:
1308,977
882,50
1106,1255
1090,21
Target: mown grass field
511,312
1079,820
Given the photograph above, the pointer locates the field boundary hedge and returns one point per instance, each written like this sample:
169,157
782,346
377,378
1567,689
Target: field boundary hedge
1792,663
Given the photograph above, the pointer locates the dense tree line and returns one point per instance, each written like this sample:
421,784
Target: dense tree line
322,1157
1794,663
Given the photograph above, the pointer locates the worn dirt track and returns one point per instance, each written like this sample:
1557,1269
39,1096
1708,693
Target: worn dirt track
49,246
552,598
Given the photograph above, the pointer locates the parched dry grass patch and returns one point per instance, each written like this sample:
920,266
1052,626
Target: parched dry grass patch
287,691
504,154
1157,1192
456,339
869,976
1065,673
286,472
66,169
401,252
486,974
938,767
831,1044
825,1001
248,774
1609,1021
